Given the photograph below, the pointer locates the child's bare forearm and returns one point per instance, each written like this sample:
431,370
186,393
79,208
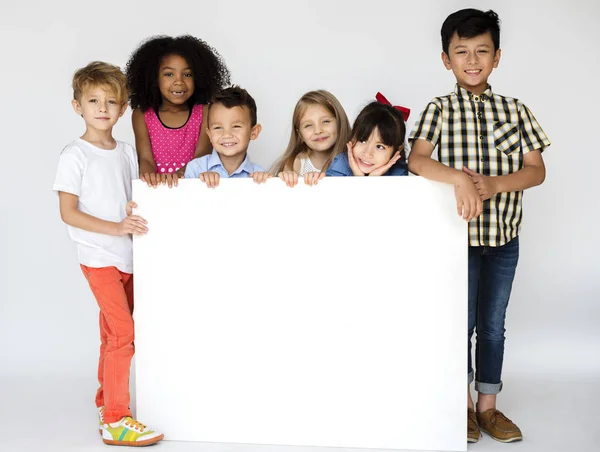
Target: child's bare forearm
81,220
147,167
434,170
527,177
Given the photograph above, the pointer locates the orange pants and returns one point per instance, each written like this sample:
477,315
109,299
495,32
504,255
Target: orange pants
113,290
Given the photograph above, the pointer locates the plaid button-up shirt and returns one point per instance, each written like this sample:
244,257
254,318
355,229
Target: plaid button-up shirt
489,134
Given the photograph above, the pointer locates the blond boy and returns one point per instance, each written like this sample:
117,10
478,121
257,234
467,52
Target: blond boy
93,182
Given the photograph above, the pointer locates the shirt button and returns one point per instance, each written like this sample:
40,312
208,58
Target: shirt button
481,137
482,159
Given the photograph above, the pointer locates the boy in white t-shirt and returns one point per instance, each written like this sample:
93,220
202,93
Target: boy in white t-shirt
93,182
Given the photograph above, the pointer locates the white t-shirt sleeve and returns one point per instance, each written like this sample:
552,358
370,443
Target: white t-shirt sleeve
71,166
135,168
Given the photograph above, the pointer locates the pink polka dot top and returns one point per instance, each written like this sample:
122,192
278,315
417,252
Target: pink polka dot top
173,148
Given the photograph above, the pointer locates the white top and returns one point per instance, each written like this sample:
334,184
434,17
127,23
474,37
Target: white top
306,166
102,181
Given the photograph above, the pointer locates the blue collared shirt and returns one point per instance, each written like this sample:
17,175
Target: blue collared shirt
213,162
341,167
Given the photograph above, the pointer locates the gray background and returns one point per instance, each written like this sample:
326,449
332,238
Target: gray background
278,51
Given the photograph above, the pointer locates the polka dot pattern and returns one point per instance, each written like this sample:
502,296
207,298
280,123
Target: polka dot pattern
173,148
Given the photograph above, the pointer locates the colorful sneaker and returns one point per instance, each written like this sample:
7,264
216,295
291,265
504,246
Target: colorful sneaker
100,418
473,432
129,432
498,426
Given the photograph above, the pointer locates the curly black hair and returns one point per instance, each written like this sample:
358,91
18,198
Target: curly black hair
210,73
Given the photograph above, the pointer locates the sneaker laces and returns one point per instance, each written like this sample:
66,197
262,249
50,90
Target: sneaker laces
135,424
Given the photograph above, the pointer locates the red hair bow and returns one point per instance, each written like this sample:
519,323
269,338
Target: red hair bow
382,100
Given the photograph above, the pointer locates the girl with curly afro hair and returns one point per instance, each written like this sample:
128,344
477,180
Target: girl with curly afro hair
171,80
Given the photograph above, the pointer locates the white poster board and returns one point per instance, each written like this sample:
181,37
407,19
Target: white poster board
331,316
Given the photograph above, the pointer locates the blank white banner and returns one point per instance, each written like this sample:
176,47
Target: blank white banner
331,316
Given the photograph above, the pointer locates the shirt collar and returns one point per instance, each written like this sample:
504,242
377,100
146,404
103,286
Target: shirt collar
462,92
214,161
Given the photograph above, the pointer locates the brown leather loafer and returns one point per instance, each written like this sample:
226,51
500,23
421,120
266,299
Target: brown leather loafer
498,426
473,432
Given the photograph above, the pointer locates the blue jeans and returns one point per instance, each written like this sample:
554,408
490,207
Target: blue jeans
491,274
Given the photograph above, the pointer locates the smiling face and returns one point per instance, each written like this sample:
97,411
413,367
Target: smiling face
230,129
175,80
99,107
472,61
318,128
372,153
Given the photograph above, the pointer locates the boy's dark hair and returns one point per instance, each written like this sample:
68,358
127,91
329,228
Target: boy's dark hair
468,23
234,96
388,121
208,68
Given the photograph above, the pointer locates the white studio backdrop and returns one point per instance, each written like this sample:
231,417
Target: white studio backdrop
238,343
278,51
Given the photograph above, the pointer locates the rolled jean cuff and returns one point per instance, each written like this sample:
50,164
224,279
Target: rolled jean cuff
488,388
471,378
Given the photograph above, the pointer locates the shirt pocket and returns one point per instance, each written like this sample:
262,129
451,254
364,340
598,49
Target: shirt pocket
507,137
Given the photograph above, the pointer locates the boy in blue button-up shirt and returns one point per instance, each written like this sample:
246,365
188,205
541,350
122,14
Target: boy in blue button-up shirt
232,123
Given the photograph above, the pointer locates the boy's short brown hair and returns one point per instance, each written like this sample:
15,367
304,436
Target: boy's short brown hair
98,73
234,96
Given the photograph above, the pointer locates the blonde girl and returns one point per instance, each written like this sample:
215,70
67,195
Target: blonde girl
320,131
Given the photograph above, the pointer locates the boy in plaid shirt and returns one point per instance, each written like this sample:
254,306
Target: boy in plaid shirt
490,148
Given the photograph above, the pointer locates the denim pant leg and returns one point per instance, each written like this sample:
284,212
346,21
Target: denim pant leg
474,271
498,266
